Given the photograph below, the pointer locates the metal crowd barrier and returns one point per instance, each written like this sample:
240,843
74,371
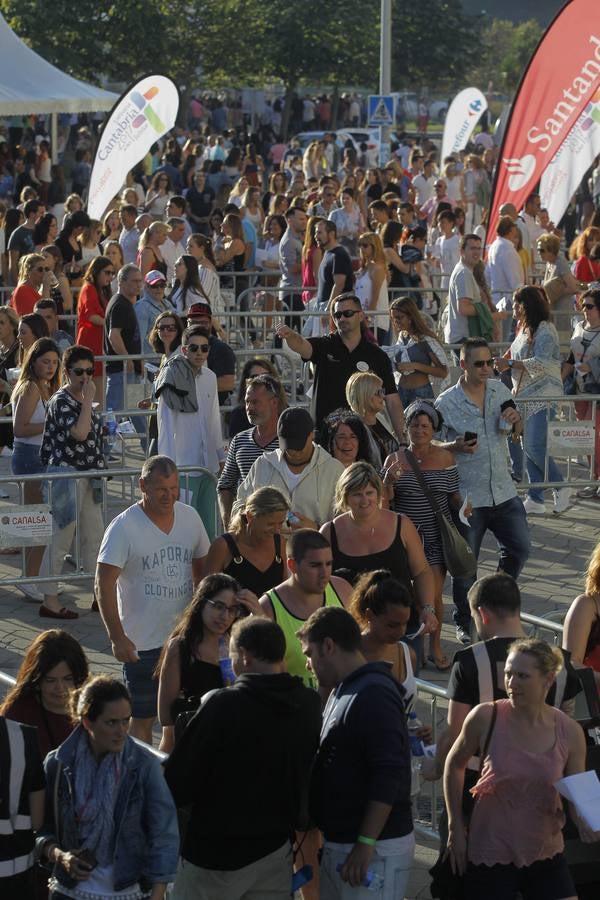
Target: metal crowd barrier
125,474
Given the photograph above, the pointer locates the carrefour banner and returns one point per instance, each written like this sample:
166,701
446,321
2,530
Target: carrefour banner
463,114
561,78
146,111
578,152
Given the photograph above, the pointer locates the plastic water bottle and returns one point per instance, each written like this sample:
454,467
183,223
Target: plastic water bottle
110,424
372,881
416,744
225,664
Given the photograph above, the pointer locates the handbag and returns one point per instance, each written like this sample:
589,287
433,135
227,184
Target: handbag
445,884
458,555
560,286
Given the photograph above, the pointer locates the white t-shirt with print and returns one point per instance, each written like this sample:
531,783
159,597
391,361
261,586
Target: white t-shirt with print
155,583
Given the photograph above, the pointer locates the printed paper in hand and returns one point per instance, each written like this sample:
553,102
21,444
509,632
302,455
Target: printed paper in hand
583,790
461,512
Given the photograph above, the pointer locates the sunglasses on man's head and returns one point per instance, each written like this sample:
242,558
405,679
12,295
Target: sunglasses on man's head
344,313
193,348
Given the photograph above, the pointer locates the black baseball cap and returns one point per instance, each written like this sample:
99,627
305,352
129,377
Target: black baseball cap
293,428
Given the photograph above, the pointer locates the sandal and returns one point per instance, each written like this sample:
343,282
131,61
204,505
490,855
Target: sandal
443,664
63,613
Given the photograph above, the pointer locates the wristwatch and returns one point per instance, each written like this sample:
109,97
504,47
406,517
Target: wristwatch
428,608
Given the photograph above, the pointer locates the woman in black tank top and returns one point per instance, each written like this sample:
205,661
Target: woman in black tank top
251,551
366,537
189,663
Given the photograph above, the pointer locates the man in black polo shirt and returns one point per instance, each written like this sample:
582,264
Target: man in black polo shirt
337,356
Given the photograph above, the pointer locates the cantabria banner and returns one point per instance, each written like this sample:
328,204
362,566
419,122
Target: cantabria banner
463,114
146,111
566,171
560,80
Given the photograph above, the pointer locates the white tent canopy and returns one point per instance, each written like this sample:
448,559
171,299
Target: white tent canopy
29,85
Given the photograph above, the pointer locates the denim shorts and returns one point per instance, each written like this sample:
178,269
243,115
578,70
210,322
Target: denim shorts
142,684
26,459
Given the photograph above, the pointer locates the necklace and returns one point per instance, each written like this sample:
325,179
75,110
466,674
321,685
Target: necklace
420,458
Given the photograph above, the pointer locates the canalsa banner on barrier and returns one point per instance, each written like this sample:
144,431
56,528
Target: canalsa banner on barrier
561,78
463,114
578,152
145,112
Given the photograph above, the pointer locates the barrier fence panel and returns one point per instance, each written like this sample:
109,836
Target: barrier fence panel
128,477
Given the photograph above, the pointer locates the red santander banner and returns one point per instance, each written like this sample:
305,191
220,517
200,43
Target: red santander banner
559,81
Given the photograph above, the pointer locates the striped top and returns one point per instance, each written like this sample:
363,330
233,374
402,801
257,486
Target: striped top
242,452
410,500
21,773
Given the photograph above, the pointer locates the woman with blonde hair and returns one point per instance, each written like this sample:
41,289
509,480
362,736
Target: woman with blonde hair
158,195
364,536
33,284
581,633
311,259
365,395
89,241
253,210
37,382
238,191
252,550
371,282
149,255
418,354
515,839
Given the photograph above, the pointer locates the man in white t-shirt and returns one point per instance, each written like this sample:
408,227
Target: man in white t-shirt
423,184
149,564
463,291
173,247
446,249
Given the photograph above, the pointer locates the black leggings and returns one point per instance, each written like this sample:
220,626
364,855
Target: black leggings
548,879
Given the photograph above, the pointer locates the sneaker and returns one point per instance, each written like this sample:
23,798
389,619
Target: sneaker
562,500
31,592
588,493
463,635
533,508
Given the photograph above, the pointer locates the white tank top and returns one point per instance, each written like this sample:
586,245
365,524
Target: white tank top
362,288
38,417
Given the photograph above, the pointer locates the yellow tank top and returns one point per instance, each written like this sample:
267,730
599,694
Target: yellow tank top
295,660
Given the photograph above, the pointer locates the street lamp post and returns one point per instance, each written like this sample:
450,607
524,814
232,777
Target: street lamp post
385,67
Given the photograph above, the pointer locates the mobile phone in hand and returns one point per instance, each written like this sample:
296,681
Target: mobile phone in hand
470,436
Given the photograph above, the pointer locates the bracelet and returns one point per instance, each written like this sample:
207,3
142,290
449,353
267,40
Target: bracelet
428,608
370,842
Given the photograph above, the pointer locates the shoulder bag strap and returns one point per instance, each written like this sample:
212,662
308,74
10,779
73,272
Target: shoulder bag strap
419,476
488,737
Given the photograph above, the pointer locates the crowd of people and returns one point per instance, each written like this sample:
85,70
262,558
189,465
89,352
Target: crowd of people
279,586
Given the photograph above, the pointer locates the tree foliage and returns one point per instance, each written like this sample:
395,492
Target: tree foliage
505,50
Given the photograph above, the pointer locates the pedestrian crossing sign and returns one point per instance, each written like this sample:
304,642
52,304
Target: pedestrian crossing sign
381,109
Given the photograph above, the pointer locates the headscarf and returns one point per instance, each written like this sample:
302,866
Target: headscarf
423,407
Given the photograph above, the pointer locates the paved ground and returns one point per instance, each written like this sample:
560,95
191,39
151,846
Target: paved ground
552,578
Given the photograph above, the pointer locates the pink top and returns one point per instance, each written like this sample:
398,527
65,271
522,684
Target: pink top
518,817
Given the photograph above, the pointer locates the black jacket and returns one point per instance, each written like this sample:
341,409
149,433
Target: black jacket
243,763
364,755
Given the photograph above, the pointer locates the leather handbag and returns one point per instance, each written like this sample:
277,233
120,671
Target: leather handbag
458,555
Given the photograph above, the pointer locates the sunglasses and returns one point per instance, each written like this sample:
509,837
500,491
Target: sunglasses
167,328
80,371
193,348
480,363
589,306
344,314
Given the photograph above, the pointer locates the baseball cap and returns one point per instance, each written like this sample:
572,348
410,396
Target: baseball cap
293,428
199,309
154,277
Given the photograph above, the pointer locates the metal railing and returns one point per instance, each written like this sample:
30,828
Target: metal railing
125,474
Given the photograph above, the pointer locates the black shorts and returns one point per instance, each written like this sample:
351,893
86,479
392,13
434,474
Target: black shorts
548,879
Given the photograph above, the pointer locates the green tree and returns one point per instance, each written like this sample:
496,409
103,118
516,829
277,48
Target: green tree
505,50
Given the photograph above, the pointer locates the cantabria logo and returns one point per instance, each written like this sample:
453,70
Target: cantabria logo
143,103
135,113
520,171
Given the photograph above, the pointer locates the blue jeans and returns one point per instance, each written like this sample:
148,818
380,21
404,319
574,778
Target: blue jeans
115,399
508,523
409,395
535,440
